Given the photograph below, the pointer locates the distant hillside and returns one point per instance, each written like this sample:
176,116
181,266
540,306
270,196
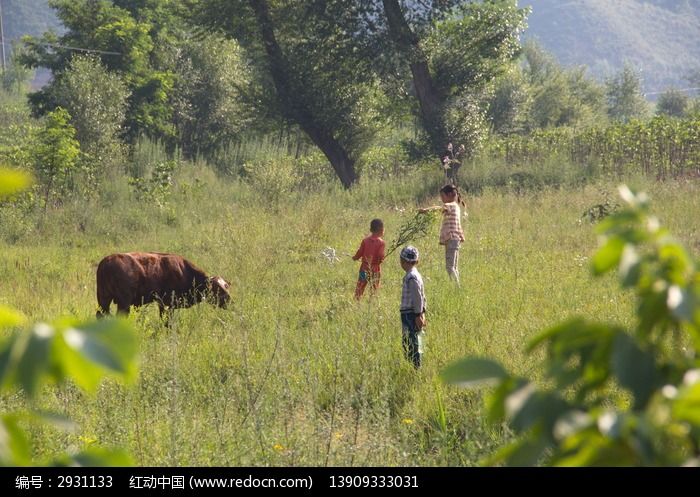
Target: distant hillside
27,17
659,37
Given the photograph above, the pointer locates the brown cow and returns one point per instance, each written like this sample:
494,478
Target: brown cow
138,278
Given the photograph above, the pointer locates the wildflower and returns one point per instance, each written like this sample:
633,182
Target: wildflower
278,447
87,440
407,421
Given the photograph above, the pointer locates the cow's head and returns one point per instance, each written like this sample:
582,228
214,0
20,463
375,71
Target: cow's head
219,291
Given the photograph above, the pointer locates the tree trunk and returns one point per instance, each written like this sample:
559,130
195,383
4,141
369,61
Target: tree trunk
296,109
429,99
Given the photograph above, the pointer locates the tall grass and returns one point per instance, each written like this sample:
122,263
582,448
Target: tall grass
297,372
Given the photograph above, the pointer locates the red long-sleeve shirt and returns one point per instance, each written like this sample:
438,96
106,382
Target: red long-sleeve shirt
372,253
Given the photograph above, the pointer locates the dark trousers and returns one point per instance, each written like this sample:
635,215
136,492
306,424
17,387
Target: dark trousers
411,338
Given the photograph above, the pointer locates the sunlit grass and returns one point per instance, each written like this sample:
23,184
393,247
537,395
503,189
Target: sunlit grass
297,372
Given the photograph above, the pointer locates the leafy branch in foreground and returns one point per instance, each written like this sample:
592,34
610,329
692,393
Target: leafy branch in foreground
83,353
616,396
44,354
417,227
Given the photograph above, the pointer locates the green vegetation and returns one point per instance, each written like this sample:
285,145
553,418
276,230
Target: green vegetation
624,94
663,147
260,150
618,396
83,353
267,382
56,154
656,36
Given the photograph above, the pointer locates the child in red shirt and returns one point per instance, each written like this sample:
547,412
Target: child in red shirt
372,253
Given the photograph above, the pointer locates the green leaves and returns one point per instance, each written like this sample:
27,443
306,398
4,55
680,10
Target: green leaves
634,368
608,256
619,396
473,371
9,318
687,404
13,181
578,353
83,352
413,229
14,445
91,350
26,359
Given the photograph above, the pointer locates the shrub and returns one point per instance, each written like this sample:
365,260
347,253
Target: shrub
56,154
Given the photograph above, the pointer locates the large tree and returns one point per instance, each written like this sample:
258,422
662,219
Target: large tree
453,49
314,58
184,91
624,93
560,96
214,92
125,45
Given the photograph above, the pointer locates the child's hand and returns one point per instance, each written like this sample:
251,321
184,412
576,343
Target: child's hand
420,322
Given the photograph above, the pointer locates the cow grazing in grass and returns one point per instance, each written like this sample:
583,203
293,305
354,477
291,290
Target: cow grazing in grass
138,278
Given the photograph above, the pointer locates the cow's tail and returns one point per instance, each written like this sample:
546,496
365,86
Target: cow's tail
104,297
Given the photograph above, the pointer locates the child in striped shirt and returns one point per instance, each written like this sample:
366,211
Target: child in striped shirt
451,234
413,307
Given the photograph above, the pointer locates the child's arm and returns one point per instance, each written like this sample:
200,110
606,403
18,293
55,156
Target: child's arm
418,304
425,210
359,252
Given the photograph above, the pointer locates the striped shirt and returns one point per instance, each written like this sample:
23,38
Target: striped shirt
413,294
451,224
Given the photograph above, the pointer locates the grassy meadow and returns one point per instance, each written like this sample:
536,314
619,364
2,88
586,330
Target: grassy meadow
296,372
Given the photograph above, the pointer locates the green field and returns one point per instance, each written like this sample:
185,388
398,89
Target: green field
296,372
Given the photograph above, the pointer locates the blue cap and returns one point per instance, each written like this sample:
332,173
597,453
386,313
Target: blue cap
409,253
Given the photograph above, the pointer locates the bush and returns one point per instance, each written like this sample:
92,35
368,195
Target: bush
272,179
56,154
158,188
96,100
672,103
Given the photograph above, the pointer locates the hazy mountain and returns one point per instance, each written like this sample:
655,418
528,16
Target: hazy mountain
26,17
661,38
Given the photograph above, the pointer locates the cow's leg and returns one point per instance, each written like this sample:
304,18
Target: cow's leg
103,303
102,311
123,307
